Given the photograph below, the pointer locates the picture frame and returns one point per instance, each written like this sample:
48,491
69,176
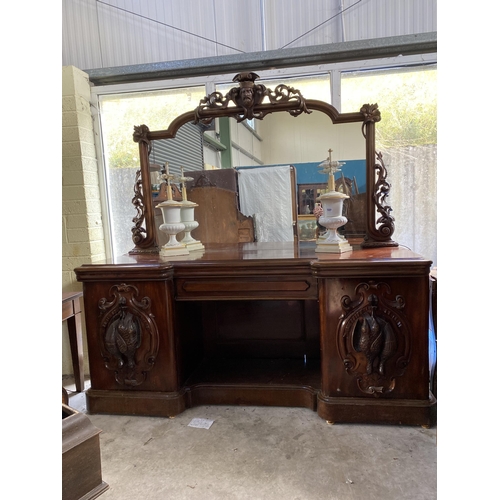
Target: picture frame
306,227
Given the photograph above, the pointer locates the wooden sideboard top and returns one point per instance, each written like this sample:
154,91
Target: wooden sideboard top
305,250
263,257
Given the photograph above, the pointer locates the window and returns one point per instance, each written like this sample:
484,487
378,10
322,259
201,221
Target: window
251,123
407,138
119,114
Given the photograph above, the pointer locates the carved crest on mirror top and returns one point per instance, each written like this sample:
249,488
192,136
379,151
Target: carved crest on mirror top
251,100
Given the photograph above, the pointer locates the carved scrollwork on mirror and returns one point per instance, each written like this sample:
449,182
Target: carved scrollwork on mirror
247,98
251,100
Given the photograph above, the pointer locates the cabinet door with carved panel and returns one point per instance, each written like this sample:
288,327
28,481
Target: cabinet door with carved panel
131,335
374,343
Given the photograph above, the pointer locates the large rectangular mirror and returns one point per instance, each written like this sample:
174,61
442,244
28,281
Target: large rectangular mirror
292,130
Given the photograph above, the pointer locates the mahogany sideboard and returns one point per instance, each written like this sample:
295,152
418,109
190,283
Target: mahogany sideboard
277,324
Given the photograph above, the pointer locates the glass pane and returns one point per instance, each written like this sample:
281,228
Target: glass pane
119,114
407,138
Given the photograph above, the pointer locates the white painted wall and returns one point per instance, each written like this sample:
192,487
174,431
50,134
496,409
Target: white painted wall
247,146
307,138
82,230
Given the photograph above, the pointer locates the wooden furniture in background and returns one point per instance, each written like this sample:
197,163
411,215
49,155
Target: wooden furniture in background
216,193
433,282
71,312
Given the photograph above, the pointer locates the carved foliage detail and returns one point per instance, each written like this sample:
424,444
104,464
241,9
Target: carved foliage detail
128,335
247,97
373,337
371,114
141,135
138,232
385,223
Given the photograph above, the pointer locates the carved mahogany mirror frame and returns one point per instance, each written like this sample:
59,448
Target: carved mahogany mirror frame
246,102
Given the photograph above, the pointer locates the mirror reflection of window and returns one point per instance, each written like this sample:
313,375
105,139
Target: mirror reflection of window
251,123
308,197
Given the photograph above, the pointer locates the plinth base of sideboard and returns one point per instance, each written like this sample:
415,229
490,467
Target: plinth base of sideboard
155,404
377,411
143,403
253,395
255,382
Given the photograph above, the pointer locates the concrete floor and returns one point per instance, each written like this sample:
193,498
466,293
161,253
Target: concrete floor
261,453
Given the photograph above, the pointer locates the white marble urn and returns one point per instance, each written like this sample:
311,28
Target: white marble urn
187,218
332,218
172,226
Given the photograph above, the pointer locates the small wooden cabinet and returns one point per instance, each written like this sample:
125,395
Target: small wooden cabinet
261,324
81,457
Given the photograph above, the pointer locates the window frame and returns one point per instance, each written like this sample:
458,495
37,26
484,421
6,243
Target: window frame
334,70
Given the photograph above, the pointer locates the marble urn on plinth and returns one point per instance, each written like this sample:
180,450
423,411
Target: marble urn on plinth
332,218
332,203
187,218
172,226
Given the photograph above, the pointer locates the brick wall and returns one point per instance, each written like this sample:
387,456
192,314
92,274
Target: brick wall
82,230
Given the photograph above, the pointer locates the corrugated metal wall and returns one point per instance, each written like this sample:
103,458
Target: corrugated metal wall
185,150
109,33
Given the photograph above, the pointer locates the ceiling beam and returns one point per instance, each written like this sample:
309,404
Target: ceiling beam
422,43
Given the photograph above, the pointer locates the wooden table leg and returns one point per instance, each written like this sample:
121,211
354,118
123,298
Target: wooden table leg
76,344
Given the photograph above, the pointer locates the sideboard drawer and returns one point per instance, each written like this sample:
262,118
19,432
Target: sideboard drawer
246,288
